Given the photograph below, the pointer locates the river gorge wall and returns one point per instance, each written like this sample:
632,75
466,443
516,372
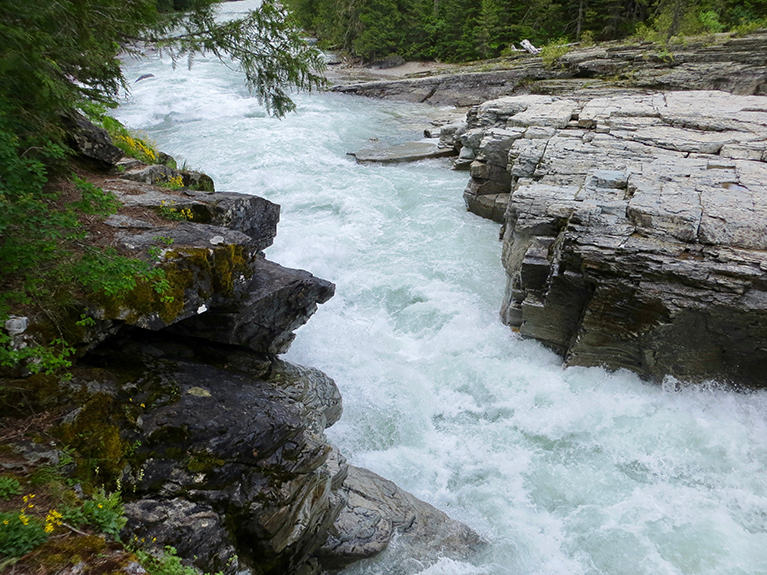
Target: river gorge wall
632,199
634,227
179,399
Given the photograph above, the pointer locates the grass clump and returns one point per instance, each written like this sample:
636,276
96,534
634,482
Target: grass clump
553,51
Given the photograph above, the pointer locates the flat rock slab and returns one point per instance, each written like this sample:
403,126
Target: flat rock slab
410,152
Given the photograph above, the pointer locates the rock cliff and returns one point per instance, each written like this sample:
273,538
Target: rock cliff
179,396
632,207
634,232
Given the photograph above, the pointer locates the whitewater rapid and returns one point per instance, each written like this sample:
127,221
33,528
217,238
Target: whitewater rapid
565,471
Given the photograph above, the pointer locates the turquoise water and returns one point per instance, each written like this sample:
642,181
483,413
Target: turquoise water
565,471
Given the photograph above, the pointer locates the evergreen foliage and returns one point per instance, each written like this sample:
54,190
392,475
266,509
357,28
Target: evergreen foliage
56,57
462,30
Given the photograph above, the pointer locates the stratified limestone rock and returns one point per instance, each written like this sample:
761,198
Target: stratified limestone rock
737,65
636,238
377,510
520,123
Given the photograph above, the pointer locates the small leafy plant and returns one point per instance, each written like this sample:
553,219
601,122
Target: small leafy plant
169,563
9,487
170,212
103,511
174,182
20,533
553,51
135,146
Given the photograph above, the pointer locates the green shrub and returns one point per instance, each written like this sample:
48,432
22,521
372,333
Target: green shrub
710,21
748,27
169,563
20,533
587,38
103,512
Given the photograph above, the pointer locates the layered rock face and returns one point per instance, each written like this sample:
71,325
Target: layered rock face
720,62
635,230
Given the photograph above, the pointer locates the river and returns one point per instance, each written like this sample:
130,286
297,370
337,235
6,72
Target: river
565,471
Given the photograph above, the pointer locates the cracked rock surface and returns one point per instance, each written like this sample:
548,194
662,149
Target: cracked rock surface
376,510
635,232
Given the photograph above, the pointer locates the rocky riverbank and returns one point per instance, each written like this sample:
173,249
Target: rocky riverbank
717,62
179,398
634,230
633,218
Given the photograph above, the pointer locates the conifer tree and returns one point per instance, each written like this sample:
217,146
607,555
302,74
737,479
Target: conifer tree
54,55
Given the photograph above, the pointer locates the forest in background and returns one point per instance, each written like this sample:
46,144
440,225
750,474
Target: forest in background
464,30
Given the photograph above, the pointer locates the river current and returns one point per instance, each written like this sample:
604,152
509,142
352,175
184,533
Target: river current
565,471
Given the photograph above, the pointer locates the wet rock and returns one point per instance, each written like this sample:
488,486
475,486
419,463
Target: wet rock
229,469
196,531
309,386
377,511
410,152
281,299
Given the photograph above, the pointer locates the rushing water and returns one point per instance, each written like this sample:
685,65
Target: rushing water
565,471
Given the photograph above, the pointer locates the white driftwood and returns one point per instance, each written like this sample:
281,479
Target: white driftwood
527,45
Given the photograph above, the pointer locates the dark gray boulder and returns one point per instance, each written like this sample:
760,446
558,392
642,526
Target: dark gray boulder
377,511
91,141
281,299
